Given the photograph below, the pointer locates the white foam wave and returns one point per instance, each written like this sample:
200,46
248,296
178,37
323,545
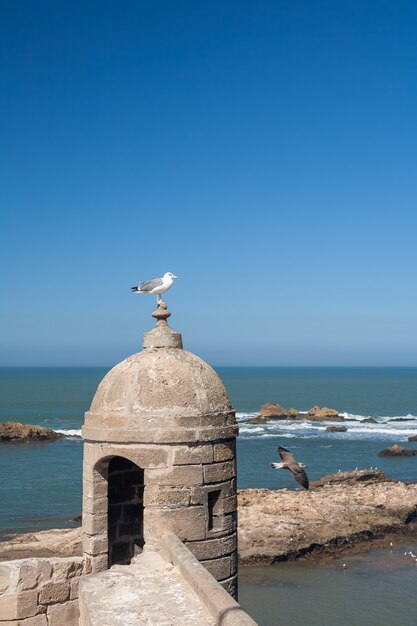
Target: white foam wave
70,432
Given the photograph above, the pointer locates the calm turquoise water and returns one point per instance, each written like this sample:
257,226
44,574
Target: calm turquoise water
374,589
40,484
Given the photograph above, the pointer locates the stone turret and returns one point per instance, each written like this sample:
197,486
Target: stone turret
159,451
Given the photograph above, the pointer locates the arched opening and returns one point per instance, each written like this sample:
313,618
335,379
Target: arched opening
125,510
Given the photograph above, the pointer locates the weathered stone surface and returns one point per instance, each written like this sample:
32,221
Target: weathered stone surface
336,429
218,472
186,455
18,605
130,593
168,497
396,450
273,409
369,420
412,438
66,614
178,475
16,432
219,568
324,414
213,548
188,524
224,451
95,544
54,592
36,620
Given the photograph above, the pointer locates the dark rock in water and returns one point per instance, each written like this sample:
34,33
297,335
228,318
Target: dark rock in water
259,419
352,478
78,519
316,414
402,419
336,429
293,414
273,410
413,438
369,420
397,450
16,432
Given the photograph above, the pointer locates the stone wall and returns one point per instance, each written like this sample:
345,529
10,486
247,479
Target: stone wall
40,592
219,603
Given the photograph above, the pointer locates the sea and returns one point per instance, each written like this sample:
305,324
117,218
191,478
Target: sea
40,483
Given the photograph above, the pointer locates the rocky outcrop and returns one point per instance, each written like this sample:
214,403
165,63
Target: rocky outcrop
349,511
273,410
16,432
336,429
45,543
396,450
317,414
413,438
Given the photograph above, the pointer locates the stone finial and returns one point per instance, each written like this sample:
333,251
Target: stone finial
162,336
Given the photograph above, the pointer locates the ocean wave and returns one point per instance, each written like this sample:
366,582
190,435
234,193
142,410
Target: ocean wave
70,432
242,416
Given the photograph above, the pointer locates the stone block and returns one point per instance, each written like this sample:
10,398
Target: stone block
63,614
95,489
99,563
228,526
219,568
218,472
54,592
9,575
95,544
94,505
34,572
224,451
230,585
167,497
18,605
65,568
233,563
193,454
36,620
95,524
179,475
213,548
74,586
188,524
229,505
144,456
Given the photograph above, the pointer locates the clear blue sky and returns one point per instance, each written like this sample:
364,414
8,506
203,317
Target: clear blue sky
264,151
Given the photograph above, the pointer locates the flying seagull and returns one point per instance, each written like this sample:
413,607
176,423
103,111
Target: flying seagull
289,463
156,286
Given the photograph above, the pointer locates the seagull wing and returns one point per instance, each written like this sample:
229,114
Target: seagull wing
151,284
286,455
299,474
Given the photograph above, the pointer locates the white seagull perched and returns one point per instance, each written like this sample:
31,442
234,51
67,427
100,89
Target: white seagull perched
156,286
290,464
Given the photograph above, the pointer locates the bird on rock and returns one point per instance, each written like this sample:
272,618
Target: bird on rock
156,286
290,464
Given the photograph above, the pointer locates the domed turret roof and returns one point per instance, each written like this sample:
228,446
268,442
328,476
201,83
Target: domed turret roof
162,389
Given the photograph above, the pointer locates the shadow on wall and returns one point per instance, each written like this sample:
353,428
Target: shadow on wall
125,510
